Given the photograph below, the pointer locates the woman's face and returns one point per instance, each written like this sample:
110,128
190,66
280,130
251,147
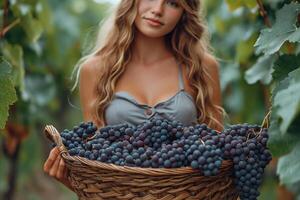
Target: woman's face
156,18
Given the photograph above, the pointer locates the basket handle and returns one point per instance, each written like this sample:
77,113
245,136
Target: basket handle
53,135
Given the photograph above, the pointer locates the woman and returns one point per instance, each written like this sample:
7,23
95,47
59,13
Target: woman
155,61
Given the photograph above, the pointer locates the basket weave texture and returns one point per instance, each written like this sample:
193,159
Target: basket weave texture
93,180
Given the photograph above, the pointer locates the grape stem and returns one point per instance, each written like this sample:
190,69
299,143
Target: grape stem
254,133
90,138
202,142
265,122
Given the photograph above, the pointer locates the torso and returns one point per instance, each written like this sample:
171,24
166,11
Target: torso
145,92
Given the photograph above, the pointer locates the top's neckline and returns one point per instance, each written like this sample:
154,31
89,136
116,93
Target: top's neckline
129,96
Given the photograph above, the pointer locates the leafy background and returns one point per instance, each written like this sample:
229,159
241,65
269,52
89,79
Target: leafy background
257,43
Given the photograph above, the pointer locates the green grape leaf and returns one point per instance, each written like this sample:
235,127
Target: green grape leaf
279,143
288,167
284,65
284,29
262,70
8,93
286,102
14,55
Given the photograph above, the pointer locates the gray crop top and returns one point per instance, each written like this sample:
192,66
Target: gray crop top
125,109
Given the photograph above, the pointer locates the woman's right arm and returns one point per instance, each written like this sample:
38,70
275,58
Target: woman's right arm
89,74
54,165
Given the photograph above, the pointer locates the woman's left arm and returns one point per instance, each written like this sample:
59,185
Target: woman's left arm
212,67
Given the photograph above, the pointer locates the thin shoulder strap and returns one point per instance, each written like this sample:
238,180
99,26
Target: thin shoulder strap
181,84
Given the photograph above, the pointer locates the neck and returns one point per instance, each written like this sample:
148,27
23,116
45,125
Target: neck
147,50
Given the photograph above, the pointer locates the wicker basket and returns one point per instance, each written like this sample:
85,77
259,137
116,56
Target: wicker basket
96,180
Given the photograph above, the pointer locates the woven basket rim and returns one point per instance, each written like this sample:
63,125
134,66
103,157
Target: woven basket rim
226,165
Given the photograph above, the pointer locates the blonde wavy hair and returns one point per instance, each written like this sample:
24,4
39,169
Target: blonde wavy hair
188,42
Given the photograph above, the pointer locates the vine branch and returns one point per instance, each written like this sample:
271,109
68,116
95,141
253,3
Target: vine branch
5,28
8,27
263,13
5,12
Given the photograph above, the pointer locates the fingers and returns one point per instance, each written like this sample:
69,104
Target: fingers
51,159
55,165
61,169
54,168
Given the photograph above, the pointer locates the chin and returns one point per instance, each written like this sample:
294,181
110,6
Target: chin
153,33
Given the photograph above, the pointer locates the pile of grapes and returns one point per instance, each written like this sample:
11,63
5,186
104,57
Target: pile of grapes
159,143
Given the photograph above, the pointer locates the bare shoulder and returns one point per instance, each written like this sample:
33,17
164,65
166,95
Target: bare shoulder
89,72
91,66
212,67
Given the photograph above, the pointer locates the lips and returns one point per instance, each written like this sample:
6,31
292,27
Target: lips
154,20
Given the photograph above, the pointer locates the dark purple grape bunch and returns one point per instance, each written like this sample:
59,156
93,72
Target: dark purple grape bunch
246,145
169,156
109,144
202,149
155,132
74,139
117,132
